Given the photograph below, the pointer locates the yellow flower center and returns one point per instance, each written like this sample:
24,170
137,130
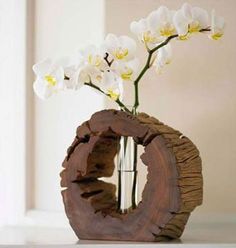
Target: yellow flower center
148,38
127,74
94,60
184,37
167,30
168,61
50,80
114,96
99,78
194,27
216,36
121,53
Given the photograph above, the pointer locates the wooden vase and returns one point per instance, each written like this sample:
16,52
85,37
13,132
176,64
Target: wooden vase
173,188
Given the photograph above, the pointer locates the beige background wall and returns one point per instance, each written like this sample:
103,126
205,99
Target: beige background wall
196,93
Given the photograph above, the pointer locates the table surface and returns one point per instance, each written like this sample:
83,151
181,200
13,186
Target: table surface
221,234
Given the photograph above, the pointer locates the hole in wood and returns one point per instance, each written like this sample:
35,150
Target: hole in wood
103,164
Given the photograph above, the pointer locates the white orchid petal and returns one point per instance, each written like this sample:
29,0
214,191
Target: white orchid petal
41,89
69,84
135,28
93,51
69,71
143,24
50,78
164,56
163,14
172,13
73,74
59,76
112,84
121,48
93,56
128,70
134,64
89,74
161,22
153,21
217,26
180,23
201,16
83,77
143,31
139,28
187,11
128,43
111,41
42,68
218,22
88,50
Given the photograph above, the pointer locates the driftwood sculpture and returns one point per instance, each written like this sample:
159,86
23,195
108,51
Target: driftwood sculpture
173,188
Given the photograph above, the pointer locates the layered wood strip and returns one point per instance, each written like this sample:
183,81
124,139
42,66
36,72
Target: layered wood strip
172,191
189,166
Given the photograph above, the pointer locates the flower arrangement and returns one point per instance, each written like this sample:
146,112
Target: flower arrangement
108,133
107,67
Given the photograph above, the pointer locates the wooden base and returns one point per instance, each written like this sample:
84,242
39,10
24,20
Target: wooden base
173,188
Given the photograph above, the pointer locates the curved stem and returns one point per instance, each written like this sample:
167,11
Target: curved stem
147,66
121,104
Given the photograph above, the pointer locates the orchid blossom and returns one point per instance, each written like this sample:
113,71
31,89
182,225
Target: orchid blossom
120,48
217,26
49,78
107,67
143,31
188,20
161,22
128,70
163,58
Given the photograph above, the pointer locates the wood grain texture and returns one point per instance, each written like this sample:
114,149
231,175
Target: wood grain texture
173,188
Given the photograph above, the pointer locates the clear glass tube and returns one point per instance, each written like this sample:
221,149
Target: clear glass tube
127,175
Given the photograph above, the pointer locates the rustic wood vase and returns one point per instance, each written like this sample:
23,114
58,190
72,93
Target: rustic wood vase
172,191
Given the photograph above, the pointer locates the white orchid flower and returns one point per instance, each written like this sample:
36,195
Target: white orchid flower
161,22
181,24
121,48
72,74
84,67
142,30
164,56
112,85
71,66
127,70
88,74
94,56
190,20
50,78
217,26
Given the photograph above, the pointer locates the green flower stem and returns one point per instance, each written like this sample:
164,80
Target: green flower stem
145,68
148,65
118,101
